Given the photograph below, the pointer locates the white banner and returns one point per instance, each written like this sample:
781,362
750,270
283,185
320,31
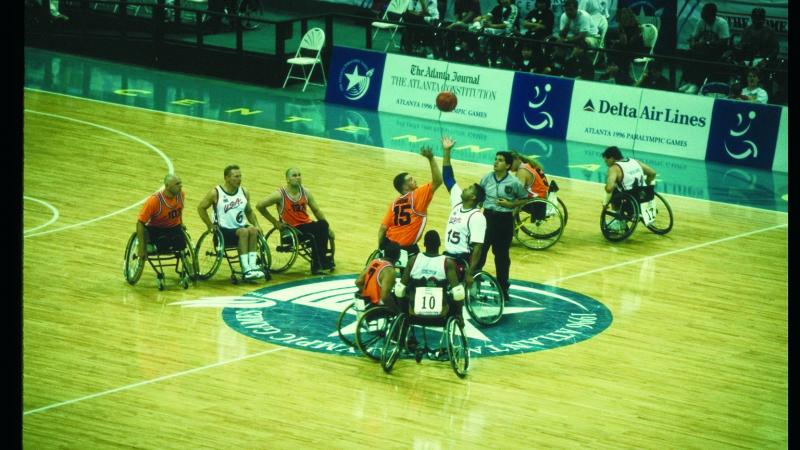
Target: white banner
410,86
641,119
781,161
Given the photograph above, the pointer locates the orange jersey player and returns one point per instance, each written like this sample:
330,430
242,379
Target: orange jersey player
406,216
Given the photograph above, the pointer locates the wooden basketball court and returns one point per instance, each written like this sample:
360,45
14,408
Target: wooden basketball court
696,355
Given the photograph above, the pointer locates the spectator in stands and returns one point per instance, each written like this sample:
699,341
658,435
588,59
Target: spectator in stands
753,92
576,24
579,63
654,78
465,13
525,61
502,20
709,41
422,16
221,7
758,43
628,39
538,25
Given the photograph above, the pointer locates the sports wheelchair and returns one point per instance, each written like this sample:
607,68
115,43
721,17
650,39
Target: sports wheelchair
211,248
484,300
540,223
430,304
623,212
371,326
161,254
288,243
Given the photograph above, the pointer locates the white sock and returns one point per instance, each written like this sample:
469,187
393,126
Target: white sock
245,263
253,259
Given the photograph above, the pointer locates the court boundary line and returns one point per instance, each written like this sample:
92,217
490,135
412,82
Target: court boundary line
671,252
217,121
53,210
170,169
146,382
548,282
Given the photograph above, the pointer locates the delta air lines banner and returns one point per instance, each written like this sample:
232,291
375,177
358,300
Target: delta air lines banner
640,119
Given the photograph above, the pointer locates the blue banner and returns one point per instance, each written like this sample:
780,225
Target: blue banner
355,78
540,105
743,133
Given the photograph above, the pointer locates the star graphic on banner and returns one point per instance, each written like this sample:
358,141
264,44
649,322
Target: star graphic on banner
354,79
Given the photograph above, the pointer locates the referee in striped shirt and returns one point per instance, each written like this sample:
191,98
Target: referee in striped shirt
504,192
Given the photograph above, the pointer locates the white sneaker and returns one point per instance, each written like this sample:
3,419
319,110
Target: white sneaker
253,274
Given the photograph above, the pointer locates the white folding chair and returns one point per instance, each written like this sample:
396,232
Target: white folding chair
308,54
649,36
601,23
395,7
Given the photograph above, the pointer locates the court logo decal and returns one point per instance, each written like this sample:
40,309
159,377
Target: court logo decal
303,315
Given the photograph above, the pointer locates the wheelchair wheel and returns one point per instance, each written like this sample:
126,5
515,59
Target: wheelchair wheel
539,223
619,217
264,259
344,320
133,266
394,342
189,260
458,346
187,272
371,331
485,300
563,208
208,253
662,223
247,10
283,248
373,255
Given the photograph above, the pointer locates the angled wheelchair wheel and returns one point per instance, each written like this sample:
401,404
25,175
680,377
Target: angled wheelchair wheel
563,208
371,331
189,259
394,342
458,347
249,9
209,252
132,266
619,217
662,223
283,247
484,299
347,317
539,223
264,257
375,253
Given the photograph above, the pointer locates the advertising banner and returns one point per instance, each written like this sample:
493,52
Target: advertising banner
743,133
640,119
781,162
540,105
411,85
355,77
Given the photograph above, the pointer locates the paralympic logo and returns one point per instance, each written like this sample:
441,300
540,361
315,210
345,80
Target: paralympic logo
738,131
303,315
539,99
353,83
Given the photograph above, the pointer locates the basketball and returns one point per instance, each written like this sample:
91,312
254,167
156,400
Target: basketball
446,101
